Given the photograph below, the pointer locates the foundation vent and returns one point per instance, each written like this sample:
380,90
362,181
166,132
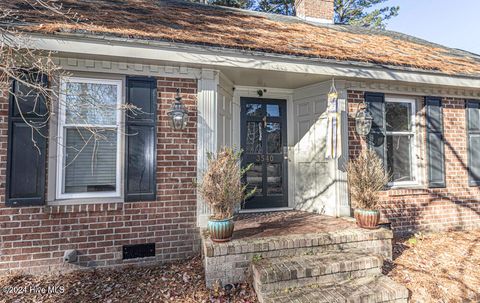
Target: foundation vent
138,251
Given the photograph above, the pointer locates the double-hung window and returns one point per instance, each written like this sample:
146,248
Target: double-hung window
400,157
89,139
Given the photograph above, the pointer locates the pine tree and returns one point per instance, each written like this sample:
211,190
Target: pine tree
245,4
355,12
282,7
360,12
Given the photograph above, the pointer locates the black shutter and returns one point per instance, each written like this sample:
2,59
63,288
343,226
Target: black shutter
27,144
473,137
435,142
376,138
141,138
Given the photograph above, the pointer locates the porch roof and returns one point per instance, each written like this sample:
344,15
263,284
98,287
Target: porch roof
220,27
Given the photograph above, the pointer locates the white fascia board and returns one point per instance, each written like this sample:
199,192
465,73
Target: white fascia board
211,58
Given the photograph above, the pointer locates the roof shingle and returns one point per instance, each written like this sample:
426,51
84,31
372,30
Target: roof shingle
185,22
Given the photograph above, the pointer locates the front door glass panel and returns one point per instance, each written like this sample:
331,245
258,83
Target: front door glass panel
254,178
273,110
274,179
274,138
254,110
254,138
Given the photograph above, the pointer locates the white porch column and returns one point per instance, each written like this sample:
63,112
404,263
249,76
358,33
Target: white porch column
341,188
207,99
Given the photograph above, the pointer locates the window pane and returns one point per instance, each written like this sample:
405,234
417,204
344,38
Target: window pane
273,110
399,162
91,103
274,179
254,110
90,160
274,138
254,178
398,116
254,138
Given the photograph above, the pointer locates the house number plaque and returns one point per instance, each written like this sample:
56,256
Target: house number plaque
262,158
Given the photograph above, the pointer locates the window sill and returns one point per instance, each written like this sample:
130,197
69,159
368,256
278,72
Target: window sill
412,185
83,201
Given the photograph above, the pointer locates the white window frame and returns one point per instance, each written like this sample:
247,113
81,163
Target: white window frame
60,181
413,149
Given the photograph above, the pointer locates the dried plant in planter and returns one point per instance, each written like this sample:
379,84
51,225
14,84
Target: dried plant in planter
222,187
366,177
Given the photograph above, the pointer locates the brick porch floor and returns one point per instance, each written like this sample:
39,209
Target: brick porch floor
259,225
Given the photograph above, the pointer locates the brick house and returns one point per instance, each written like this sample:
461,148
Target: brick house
250,80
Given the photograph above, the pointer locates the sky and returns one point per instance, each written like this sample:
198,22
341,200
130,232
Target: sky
451,23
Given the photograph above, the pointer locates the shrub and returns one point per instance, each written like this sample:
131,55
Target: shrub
222,187
366,177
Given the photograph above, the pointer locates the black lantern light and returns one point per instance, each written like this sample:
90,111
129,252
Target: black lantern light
178,113
363,121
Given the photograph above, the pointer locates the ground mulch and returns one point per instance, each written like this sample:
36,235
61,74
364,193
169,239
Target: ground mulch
441,267
437,268
175,282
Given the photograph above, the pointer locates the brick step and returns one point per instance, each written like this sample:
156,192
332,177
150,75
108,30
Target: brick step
230,262
375,241
322,269
365,290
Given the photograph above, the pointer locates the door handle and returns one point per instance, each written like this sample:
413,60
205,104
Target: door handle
285,153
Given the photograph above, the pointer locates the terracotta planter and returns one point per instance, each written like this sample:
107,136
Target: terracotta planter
221,230
368,219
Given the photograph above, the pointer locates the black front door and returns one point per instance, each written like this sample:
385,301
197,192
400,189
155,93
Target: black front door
264,143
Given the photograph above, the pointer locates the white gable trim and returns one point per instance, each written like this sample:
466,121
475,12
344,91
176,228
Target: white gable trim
414,90
127,68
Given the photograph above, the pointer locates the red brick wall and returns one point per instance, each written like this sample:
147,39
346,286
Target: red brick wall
421,208
320,9
35,238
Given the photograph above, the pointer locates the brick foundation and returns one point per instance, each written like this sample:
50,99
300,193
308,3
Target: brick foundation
457,206
35,238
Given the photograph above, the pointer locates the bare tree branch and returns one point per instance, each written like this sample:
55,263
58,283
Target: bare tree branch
25,65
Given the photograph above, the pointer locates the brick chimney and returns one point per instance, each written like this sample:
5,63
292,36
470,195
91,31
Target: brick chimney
320,11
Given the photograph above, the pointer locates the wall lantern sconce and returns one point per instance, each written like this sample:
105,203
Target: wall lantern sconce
178,113
363,121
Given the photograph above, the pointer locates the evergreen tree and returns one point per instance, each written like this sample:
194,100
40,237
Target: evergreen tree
283,7
355,12
245,4
361,12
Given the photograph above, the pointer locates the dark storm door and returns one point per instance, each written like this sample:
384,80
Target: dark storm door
264,143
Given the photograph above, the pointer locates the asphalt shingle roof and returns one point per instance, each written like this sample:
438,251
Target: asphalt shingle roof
220,27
